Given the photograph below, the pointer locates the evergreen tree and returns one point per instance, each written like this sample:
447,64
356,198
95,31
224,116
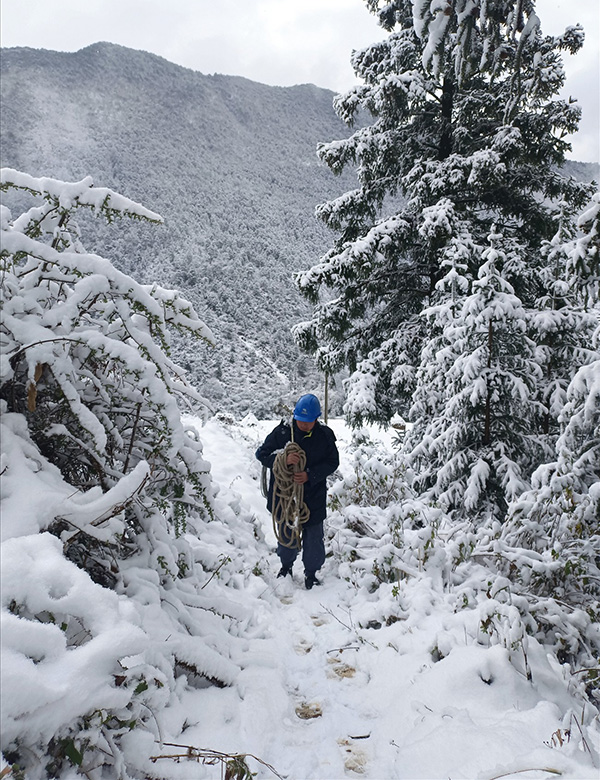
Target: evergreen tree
464,107
554,325
559,517
438,353
583,267
550,543
478,450
562,323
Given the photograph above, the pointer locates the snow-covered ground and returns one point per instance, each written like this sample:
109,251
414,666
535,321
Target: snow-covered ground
321,697
319,685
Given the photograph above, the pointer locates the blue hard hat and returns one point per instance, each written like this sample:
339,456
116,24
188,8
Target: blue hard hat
307,409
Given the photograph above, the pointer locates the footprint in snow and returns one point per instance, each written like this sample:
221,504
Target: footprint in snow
339,668
355,759
303,647
309,710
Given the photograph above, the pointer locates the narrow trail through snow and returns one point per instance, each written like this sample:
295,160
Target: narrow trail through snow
309,669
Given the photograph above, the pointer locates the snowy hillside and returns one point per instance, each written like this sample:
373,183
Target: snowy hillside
231,166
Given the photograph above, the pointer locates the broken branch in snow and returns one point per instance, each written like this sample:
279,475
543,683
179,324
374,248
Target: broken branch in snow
231,761
341,649
531,769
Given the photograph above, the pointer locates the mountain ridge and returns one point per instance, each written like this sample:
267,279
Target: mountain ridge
229,163
231,166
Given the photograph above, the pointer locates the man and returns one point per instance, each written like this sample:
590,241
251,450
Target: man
322,458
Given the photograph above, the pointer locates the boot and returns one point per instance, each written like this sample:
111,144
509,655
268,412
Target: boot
285,571
311,580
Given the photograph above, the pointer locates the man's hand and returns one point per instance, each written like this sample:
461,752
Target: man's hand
300,477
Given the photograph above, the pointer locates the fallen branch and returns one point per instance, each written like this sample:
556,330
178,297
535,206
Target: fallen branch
231,761
343,649
350,627
532,769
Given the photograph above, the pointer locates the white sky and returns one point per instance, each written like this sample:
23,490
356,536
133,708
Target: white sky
279,42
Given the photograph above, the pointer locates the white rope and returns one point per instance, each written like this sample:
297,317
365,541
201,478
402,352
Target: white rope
289,510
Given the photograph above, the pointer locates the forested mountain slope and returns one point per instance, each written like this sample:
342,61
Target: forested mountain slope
231,166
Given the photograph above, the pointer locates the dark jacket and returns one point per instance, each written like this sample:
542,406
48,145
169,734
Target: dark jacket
322,459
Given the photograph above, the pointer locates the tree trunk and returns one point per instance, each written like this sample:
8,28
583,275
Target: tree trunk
487,433
447,133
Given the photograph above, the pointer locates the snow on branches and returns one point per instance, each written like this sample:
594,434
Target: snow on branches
85,348
105,495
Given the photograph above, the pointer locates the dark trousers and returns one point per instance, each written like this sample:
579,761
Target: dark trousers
313,549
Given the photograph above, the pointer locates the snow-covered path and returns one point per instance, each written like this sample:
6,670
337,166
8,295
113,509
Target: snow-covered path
323,694
300,702
304,677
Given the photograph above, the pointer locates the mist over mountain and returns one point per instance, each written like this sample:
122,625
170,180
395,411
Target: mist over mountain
231,166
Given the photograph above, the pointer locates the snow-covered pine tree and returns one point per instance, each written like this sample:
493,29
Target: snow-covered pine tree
464,107
583,267
478,451
551,540
106,499
563,320
438,354
550,544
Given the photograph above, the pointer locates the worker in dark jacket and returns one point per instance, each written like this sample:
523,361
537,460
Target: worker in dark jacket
322,459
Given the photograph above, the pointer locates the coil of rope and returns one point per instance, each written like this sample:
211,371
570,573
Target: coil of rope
289,510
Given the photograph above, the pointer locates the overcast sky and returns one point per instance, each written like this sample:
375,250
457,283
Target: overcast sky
279,42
